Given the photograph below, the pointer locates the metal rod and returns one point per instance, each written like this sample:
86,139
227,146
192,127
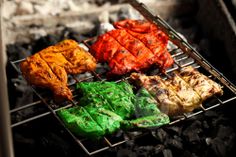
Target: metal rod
6,143
30,119
119,143
25,106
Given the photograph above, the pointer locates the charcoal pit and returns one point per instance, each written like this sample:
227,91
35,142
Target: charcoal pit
209,134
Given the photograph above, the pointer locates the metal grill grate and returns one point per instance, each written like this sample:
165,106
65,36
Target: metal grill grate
183,54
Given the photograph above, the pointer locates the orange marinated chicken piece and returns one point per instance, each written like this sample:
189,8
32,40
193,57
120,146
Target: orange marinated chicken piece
49,67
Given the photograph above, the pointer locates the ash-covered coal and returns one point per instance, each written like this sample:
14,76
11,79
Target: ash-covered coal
214,131
47,139
209,135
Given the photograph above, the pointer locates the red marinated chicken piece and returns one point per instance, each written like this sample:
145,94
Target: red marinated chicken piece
152,37
108,49
156,42
133,46
140,26
105,48
123,62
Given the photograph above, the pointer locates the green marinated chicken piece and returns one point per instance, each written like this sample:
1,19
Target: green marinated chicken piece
106,106
92,96
118,95
145,104
86,88
126,87
119,101
146,122
94,87
148,115
107,120
79,121
96,100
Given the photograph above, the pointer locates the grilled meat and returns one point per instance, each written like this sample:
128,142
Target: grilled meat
190,99
49,67
146,122
80,122
140,26
152,37
133,46
147,113
204,86
106,107
168,101
116,97
183,92
145,104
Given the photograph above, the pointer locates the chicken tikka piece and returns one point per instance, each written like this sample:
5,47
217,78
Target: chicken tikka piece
49,67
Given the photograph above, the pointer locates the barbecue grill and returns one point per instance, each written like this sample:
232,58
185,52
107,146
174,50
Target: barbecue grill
182,52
